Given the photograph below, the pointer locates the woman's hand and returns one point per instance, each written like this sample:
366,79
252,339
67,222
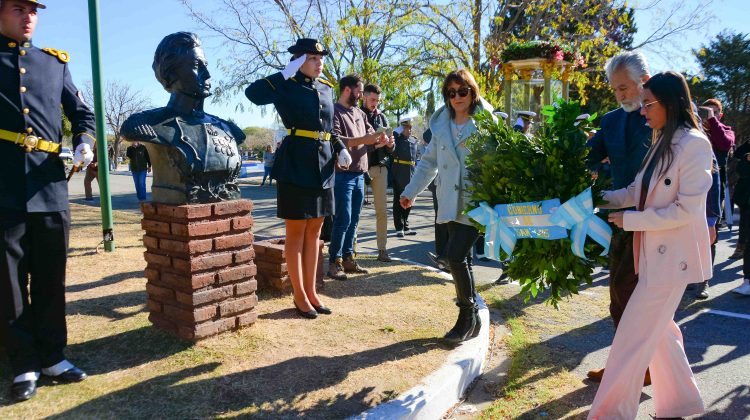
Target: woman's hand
616,218
405,202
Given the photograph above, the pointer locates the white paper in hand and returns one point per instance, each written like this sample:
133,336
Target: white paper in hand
294,65
345,159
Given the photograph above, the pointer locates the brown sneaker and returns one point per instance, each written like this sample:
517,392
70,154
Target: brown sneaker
336,270
383,256
351,266
595,375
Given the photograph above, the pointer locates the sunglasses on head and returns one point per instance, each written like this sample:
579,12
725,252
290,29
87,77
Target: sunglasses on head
462,92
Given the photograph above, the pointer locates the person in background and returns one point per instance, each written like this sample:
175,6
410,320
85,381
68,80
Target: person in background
140,166
524,122
671,249
304,163
742,199
268,157
402,169
112,159
451,126
92,173
721,137
378,161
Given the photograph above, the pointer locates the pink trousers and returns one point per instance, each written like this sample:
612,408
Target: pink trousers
648,337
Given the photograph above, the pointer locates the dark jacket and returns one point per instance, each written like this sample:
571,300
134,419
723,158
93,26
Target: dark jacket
404,159
139,159
380,156
302,103
33,85
625,155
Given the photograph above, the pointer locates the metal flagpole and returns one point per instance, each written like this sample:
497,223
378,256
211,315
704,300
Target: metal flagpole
101,129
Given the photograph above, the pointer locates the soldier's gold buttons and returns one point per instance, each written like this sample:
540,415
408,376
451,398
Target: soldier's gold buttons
22,70
26,44
22,52
26,110
12,44
23,89
29,130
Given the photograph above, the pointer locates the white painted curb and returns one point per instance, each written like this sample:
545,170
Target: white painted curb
442,389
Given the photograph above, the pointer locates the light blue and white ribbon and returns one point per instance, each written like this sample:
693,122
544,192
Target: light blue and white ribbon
496,234
577,214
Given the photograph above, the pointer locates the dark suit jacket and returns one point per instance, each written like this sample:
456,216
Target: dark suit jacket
625,155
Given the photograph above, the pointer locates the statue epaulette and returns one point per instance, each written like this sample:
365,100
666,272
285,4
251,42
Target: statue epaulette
325,82
61,55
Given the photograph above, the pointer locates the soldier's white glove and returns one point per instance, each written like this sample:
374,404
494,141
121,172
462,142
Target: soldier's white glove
294,65
345,159
83,155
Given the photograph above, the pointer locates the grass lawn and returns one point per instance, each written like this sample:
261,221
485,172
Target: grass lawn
380,341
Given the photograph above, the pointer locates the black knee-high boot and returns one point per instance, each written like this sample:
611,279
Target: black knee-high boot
466,322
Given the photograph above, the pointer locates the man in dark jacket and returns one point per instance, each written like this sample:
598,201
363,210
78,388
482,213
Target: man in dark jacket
624,138
402,169
35,89
140,165
721,137
378,161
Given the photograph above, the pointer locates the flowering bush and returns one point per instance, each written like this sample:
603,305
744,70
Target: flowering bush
506,167
542,49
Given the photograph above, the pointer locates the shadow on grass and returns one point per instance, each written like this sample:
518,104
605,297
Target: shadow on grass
105,281
278,391
377,284
110,306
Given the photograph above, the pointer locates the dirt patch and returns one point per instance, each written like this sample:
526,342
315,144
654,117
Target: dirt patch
380,341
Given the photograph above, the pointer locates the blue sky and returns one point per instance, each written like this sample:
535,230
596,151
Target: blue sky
131,30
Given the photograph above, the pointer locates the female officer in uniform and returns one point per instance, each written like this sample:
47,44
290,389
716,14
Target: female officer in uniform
304,164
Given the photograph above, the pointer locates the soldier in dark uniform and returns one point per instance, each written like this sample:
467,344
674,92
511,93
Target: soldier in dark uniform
34,211
402,169
304,163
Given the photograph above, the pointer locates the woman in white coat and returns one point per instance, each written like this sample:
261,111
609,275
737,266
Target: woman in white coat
444,161
671,249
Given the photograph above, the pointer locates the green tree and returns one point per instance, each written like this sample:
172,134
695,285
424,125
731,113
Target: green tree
725,63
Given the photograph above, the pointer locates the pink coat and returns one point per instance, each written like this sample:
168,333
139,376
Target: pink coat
671,243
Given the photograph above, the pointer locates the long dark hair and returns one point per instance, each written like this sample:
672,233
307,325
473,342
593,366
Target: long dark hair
671,90
464,78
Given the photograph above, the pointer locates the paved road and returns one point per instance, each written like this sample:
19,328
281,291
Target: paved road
716,331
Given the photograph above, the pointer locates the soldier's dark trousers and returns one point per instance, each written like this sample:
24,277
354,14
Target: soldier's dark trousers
622,277
400,214
33,254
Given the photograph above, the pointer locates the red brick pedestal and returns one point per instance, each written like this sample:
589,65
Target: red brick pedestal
273,274
200,267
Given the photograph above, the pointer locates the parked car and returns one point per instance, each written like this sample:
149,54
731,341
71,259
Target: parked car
66,155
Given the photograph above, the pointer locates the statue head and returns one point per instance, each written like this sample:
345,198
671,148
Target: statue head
180,66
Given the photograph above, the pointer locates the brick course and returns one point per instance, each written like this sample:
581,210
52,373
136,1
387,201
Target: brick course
272,270
201,270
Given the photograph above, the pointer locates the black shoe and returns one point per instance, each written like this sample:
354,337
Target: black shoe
322,310
439,262
311,314
464,327
503,279
70,376
702,291
477,324
410,232
22,391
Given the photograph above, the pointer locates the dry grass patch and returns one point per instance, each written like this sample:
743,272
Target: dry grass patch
380,341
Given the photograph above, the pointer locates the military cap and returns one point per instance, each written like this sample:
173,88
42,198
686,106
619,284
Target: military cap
501,114
39,5
405,121
526,115
307,46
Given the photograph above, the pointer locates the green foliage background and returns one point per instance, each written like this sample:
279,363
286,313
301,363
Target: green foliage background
505,166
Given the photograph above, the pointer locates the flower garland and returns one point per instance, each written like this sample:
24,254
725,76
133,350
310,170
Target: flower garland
505,167
542,49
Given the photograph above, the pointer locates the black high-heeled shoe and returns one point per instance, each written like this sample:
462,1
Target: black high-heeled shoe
311,314
322,309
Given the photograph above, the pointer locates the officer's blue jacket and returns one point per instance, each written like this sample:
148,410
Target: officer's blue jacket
35,90
304,104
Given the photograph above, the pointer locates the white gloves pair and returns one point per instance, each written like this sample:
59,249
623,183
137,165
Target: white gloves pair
84,153
345,159
294,65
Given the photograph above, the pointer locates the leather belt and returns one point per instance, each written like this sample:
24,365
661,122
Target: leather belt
404,162
317,135
30,142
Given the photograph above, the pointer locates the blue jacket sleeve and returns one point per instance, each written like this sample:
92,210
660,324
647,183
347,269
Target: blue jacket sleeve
713,201
82,119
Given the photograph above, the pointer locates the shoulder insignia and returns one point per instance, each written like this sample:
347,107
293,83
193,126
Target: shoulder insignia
63,56
269,82
325,82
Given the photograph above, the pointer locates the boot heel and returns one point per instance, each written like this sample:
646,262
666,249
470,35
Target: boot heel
477,325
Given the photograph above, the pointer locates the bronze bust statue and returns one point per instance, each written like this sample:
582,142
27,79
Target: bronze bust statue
193,154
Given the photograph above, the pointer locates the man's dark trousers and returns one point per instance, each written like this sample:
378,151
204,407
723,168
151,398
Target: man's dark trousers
400,214
33,246
622,276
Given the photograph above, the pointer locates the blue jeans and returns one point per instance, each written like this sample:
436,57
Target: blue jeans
267,174
349,193
139,178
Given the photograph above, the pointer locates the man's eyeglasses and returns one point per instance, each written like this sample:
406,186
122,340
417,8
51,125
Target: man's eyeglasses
648,105
462,92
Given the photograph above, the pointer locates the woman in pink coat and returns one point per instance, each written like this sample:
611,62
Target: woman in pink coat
671,249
